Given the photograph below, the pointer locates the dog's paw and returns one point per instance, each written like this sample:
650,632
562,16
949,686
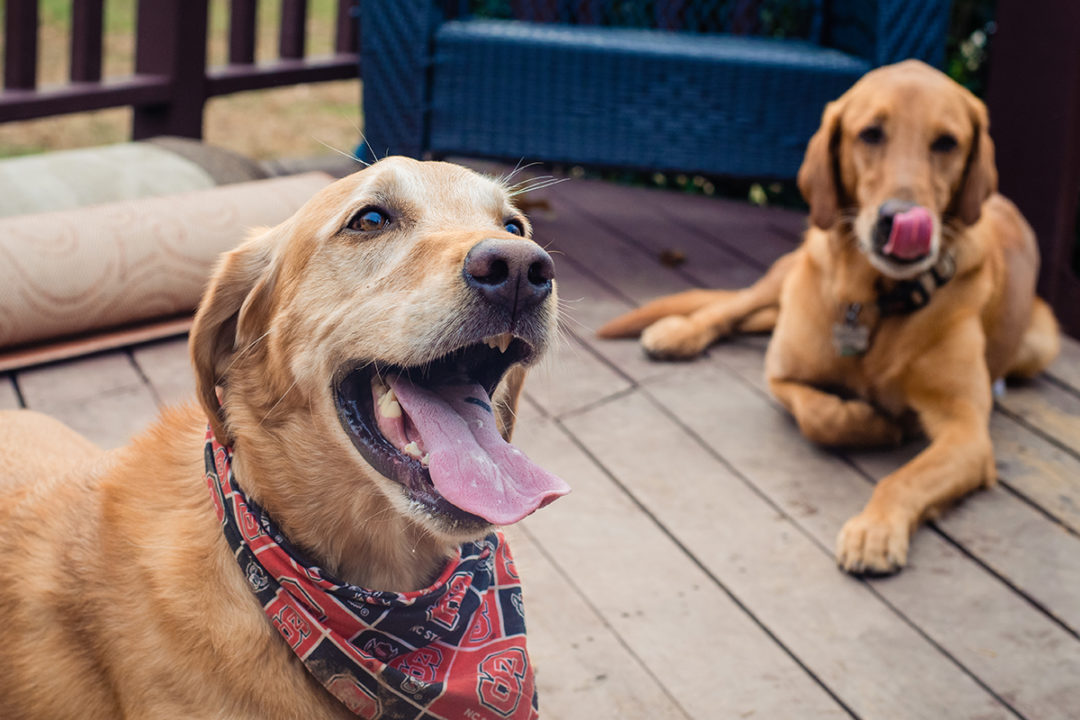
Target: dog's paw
674,338
873,543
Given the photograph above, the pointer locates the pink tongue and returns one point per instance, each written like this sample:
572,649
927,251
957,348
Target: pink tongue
910,235
470,464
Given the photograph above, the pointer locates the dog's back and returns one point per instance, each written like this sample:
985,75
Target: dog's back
47,526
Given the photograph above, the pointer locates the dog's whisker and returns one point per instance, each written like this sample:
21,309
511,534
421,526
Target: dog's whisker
342,153
240,354
279,400
538,186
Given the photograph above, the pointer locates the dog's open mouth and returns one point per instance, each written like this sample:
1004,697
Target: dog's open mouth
432,429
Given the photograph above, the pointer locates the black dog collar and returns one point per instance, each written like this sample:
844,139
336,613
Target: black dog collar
907,296
852,335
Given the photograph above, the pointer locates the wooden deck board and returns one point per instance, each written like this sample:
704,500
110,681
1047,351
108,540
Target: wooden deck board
583,668
103,397
167,369
690,573
9,399
760,555
663,605
703,262
1047,407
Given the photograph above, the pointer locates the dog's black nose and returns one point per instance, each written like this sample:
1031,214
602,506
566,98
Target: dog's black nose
886,212
513,274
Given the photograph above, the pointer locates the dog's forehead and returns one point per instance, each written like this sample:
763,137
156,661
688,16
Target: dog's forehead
907,89
428,187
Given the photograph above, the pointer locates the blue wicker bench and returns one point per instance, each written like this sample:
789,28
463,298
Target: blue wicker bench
441,81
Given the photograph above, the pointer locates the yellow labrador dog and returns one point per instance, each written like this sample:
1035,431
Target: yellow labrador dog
913,290
315,538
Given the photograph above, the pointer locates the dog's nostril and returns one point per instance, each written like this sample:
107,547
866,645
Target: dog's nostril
497,273
541,273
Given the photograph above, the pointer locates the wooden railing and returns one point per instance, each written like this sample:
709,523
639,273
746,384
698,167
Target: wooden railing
171,81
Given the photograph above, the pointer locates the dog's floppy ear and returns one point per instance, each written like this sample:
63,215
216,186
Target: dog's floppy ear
234,312
980,174
505,401
817,176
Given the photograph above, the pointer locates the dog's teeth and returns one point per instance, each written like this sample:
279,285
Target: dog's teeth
499,342
426,460
389,407
412,450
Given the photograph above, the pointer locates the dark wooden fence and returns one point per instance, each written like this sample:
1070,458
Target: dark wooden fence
171,82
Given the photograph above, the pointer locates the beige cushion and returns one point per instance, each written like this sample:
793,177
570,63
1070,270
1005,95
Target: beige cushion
72,271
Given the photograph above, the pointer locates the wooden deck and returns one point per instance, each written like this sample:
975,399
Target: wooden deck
690,574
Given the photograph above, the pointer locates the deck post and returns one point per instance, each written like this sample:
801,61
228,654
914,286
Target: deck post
171,41
1034,102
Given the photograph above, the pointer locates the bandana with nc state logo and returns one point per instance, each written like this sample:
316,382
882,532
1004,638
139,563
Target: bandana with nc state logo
453,651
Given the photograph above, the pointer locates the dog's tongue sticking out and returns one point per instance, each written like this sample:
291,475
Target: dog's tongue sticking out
910,235
470,464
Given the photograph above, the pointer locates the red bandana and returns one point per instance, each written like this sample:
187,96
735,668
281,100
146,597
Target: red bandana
453,651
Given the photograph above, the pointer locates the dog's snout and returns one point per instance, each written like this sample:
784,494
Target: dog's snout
514,274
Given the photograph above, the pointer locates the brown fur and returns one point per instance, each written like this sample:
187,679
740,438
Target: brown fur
937,363
118,593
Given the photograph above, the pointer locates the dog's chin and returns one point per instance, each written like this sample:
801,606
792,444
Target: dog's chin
407,480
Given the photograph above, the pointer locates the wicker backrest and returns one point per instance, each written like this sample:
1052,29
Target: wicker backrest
771,18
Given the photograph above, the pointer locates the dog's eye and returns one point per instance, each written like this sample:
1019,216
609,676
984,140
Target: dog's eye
369,219
872,135
515,227
944,143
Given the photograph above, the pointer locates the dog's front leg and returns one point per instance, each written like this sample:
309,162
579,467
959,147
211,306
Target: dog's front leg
830,420
953,404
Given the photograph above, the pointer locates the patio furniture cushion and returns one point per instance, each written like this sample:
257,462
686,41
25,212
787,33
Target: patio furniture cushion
125,171
88,269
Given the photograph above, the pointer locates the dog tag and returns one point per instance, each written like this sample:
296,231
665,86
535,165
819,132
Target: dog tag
851,338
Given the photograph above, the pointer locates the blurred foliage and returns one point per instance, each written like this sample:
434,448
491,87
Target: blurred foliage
967,45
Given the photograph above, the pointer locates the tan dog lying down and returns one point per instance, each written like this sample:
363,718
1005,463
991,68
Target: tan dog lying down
913,290
354,363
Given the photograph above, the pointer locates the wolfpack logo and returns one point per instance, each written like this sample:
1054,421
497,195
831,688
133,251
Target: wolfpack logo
519,604
445,611
380,649
256,577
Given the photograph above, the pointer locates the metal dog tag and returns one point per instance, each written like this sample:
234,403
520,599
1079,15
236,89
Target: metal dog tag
851,338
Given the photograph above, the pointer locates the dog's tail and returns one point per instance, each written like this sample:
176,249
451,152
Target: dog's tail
632,323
